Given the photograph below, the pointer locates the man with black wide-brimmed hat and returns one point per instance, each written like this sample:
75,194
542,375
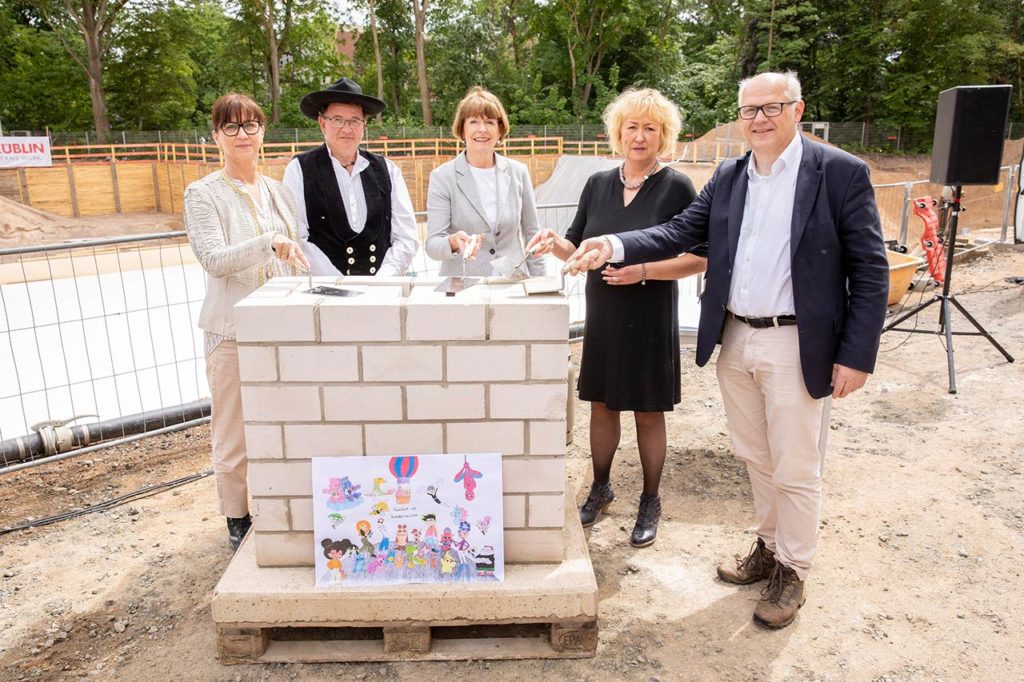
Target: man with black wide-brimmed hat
354,205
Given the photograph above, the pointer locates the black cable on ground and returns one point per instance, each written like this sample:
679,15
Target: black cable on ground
109,504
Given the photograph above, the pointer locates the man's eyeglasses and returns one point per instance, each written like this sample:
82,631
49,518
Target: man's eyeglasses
341,122
250,128
771,110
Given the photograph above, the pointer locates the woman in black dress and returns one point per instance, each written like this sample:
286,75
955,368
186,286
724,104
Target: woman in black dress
631,339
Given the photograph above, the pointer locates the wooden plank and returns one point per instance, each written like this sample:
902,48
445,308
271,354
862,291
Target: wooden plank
576,638
93,189
135,181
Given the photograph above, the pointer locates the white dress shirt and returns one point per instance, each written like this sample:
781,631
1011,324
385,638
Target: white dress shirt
403,222
761,284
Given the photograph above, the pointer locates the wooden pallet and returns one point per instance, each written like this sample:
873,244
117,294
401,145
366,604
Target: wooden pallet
412,642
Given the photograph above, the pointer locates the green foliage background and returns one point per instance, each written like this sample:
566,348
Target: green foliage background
878,61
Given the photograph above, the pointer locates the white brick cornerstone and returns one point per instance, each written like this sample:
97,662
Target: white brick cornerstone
402,369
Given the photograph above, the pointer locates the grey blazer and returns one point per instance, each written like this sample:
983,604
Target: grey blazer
454,204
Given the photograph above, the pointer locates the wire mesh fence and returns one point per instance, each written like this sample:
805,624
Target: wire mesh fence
106,329
857,135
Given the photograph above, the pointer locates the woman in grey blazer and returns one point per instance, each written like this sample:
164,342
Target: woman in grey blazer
480,192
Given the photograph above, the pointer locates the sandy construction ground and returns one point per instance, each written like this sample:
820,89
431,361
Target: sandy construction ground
918,574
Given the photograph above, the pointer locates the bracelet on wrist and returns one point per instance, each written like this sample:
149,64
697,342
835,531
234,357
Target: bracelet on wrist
643,273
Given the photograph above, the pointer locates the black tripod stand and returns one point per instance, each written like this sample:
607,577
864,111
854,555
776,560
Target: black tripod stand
945,299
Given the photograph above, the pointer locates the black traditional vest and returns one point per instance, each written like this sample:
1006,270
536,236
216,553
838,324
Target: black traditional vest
352,253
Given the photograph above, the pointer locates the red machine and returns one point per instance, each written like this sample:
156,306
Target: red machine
934,249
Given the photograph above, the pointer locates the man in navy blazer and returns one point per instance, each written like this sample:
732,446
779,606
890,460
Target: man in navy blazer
796,290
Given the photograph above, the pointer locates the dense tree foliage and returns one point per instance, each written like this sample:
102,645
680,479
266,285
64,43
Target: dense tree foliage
163,62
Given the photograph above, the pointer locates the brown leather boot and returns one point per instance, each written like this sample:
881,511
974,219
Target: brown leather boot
757,565
781,598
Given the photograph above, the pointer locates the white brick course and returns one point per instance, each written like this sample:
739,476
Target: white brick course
402,439
257,363
263,441
301,509
455,401
528,319
369,317
546,511
319,363
489,436
281,403
402,363
432,316
280,478
486,363
533,475
547,438
284,549
534,546
514,511
275,319
362,403
303,441
270,513
549,361
528,401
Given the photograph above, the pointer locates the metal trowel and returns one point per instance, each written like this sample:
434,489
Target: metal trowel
506,267
453,285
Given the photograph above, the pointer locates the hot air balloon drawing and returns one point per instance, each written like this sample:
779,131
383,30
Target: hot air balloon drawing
403,468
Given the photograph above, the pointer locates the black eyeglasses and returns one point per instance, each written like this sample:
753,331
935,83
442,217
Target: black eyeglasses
250,128
771,110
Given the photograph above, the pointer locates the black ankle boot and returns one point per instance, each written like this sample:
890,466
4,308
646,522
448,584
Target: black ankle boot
647,517
237,528
600,497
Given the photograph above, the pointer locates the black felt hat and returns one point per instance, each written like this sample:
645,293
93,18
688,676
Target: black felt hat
343,90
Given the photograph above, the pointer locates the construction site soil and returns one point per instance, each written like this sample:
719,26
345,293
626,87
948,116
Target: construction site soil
918,574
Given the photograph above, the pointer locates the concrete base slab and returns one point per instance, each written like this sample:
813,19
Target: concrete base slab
253,606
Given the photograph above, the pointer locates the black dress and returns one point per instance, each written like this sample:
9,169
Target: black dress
631,335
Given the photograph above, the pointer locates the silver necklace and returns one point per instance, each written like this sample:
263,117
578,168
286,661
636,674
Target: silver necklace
638,185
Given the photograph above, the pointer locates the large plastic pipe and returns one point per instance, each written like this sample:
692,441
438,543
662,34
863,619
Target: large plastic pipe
53,440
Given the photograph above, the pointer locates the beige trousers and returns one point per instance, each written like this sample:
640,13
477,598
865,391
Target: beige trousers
776,427
227,430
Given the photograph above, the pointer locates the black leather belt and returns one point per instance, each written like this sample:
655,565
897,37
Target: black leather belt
765,322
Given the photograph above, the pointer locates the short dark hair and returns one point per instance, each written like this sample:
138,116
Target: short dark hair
237,108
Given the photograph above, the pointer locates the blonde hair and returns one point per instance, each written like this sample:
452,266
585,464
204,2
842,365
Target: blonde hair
643,103
479,102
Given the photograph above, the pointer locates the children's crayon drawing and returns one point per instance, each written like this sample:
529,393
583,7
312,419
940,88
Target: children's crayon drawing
408,519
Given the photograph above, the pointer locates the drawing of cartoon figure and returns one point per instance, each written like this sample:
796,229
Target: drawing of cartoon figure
363,528
483,524
375,564
446,539
360,563
412,558
485,562
463,544
416,536
459,514
464,569
342,493
384,544
432,491
430,539
378,487
379,508
468,476
335,551
401,537
447,564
